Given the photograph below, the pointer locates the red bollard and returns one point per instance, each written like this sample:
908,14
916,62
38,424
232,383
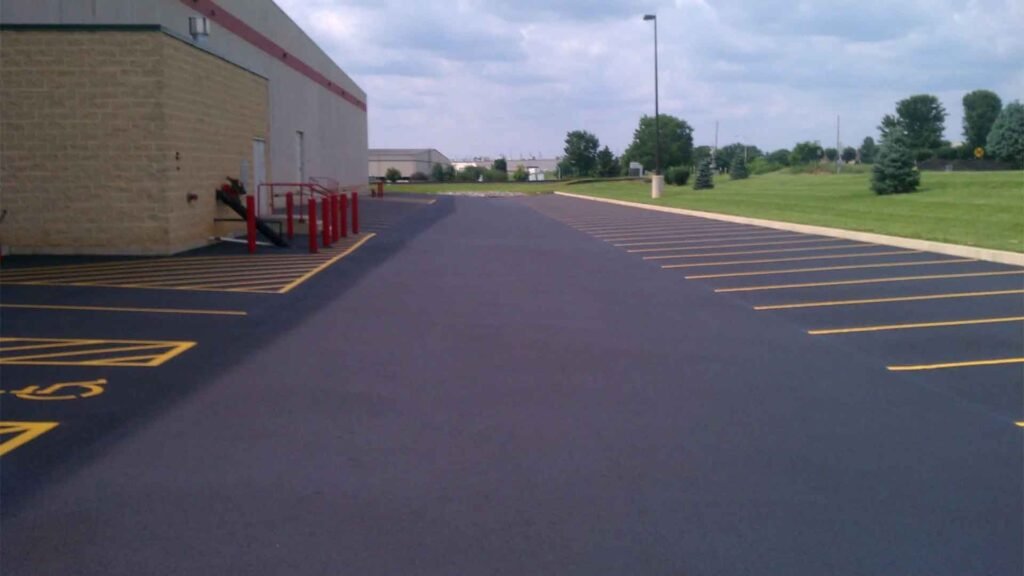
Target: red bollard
355,213
312,226
335,234
343,232
325,220
250,222
289,202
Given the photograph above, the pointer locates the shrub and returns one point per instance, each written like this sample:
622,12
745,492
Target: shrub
1006,139
418,177
894,171
520,175
739,169
677,175
763,166
393,174
705,180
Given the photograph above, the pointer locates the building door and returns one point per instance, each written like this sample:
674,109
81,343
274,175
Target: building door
259,176
300,155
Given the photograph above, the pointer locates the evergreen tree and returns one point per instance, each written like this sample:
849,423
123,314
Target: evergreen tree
1006,139
894,171
739,169
704,181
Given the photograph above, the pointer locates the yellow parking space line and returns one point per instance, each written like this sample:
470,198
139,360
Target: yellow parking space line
645,224
870,281
20,433
882,328
796,259
760,236
140,287
741,245
678,234
185,311
748,252
250,285
888,300
320,268
22,359
830,268
1021,424
199,280
663,230
947,365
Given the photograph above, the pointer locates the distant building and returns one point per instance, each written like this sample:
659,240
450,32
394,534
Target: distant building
408,161
534,165
636,169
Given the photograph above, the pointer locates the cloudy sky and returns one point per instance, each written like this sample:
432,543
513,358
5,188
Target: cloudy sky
511,77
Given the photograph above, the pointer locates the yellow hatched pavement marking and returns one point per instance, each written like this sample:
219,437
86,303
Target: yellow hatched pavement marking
948,365
749,252
869,281
1021,424
127,309
168,264
225,272
318,269
915,325
798,259
742,245
888,300
829,268
670,243
113,348
15,434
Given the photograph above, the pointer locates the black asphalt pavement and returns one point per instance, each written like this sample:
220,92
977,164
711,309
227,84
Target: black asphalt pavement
482,389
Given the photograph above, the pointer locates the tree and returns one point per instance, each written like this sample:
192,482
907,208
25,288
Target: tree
581,152
449,173
780,156
1006,139
500,164
981,108
868,149
831,154
894,171
607,163
437,172
700,154
806,153
520,175
726,155
922,118
849,154
676,143
739,168
705,180
470,174
392,174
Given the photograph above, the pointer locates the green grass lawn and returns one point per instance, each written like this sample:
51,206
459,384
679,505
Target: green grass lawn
975,209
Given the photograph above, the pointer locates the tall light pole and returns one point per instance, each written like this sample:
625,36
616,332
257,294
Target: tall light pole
657,181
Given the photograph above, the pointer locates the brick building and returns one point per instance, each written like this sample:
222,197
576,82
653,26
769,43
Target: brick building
117,123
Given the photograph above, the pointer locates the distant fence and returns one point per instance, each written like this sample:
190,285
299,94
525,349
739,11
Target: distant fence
962,165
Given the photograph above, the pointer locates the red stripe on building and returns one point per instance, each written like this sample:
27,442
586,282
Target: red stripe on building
236,26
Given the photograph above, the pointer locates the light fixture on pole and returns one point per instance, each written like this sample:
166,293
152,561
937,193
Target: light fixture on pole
657,180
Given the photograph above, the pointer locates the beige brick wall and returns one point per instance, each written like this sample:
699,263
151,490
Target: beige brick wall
90,122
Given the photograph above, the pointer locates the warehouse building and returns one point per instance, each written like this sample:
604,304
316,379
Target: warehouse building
406,161
121,117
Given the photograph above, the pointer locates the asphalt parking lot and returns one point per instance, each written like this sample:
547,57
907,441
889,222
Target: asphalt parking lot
507,386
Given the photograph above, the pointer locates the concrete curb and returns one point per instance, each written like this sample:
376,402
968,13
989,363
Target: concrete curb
986,254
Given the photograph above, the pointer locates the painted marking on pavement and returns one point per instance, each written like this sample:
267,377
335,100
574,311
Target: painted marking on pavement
318,269
749,252
84,352
829,268
797,259
127,309
1021,424
759,236
742,245
869,281
886,300
915,325
947,365
625,234
15,434
684,234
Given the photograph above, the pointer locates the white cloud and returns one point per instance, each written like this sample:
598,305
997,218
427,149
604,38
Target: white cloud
476,77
